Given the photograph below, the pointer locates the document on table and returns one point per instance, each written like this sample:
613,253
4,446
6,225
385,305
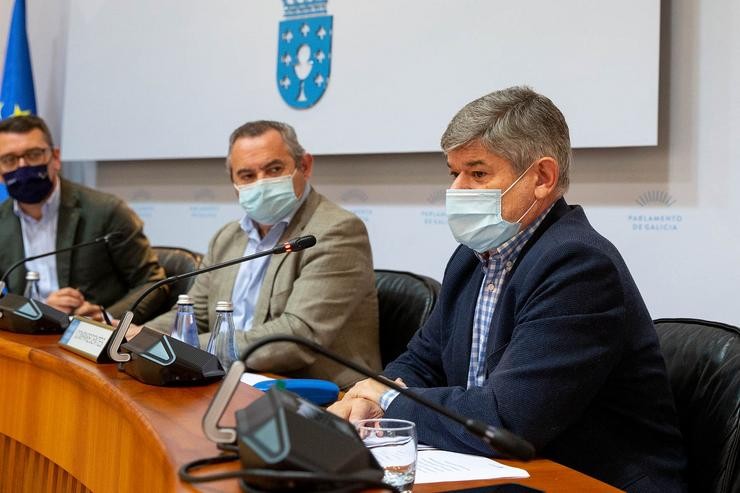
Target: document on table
253,378
437,466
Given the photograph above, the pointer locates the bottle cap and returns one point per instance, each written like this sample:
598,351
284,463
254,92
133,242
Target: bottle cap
32,276
184,299
224,306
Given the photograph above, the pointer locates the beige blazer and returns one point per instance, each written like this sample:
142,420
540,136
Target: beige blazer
325,294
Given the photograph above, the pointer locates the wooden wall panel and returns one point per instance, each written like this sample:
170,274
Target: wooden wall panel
23,470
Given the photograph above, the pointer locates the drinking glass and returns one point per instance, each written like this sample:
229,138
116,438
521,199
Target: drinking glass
393,444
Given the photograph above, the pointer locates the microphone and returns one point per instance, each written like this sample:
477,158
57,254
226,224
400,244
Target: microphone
23,315
158,359
502,441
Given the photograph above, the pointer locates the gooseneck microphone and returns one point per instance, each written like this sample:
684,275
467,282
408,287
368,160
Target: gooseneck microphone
502,441
101,239
151,351
23,315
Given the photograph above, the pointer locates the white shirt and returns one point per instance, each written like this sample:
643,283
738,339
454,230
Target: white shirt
40,237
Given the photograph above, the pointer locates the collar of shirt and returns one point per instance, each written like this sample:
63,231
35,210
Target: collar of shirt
249,226
49,211
509,250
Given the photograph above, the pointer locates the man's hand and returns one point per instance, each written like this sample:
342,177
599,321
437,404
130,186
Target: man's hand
370,389
362,401
355,409
89,310
65,300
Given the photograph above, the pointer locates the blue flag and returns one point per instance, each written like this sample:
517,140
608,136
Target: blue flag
17,96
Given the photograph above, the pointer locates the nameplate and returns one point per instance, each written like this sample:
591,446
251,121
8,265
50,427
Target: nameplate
88,338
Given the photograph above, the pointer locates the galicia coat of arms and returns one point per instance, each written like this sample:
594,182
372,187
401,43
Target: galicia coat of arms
304,52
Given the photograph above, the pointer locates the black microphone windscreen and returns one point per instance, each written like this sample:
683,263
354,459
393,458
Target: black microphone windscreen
300,243
305,242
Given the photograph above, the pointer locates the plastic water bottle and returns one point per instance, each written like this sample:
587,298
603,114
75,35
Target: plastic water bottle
185,329
222,343
32,286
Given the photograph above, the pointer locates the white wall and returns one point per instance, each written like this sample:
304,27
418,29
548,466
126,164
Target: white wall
685,256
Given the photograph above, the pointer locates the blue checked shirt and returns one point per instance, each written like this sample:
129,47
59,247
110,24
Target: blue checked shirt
496,265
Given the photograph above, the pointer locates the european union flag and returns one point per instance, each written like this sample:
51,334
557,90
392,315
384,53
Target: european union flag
17,96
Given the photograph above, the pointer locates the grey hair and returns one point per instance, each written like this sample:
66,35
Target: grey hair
260,127
516,124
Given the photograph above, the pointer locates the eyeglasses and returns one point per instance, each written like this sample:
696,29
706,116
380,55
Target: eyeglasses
32,157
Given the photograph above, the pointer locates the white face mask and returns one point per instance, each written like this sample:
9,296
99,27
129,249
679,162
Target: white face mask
474,217
269,200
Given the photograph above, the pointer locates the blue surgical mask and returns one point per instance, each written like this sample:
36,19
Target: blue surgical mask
474,217
269,200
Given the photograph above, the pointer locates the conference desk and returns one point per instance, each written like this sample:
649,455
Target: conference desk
67,424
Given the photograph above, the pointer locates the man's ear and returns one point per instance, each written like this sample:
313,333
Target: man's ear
548,173
306,165
56,160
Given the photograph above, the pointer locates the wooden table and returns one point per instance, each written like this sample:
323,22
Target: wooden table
67,424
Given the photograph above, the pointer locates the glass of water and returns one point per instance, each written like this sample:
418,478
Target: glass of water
393,444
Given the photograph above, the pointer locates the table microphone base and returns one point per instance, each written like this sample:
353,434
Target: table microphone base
158,359
26,316
298,446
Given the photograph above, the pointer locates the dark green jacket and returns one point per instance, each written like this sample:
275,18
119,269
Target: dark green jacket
111,276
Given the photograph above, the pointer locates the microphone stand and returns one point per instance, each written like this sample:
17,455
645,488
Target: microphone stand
502,441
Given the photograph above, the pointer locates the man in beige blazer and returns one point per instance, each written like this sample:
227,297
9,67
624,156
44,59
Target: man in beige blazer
325,293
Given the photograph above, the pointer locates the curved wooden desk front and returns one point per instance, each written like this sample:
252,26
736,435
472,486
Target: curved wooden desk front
67,424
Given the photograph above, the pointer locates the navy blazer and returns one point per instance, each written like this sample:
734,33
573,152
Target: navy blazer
573,361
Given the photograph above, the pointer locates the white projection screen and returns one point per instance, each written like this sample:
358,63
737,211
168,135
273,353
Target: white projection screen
171,78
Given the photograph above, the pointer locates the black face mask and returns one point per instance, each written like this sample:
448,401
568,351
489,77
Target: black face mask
29,184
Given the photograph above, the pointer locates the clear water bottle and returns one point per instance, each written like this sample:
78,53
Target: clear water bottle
32,286
185,329
222,343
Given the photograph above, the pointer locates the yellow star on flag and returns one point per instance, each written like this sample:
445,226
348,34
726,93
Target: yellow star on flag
17,111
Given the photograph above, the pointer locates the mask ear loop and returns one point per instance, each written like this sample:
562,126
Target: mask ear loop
517,181
519,178
527,212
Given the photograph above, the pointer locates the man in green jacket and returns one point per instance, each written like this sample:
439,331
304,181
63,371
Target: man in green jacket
46,212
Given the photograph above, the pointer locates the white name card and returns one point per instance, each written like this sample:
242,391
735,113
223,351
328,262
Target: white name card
88,338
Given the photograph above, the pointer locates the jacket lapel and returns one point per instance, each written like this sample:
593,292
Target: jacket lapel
295,227
226,278
498,339
464,321
69,216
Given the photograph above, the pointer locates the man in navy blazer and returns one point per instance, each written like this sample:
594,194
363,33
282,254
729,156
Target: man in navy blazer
539,327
